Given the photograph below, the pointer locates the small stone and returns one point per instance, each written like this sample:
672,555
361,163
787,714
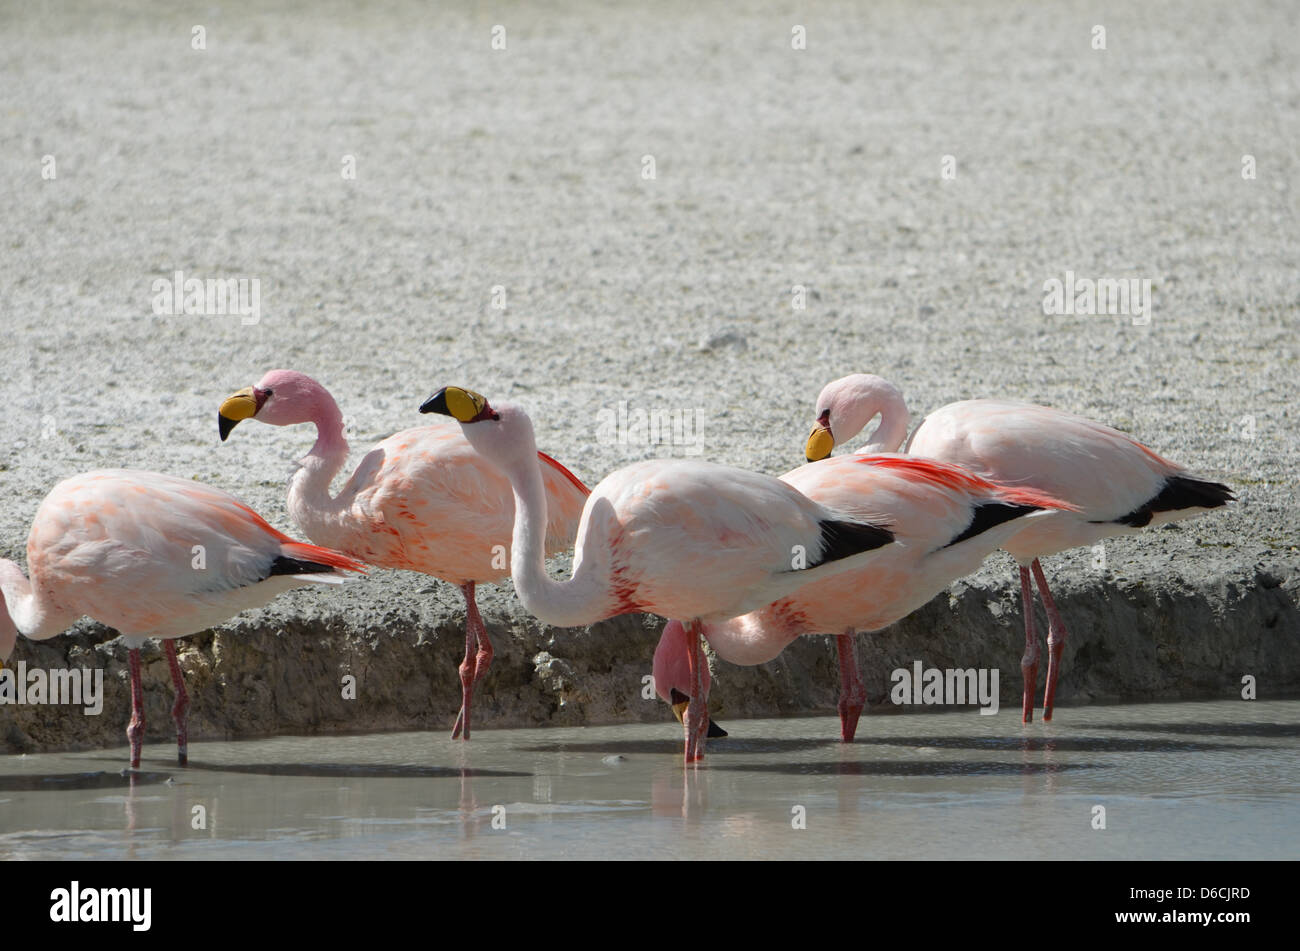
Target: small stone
727,338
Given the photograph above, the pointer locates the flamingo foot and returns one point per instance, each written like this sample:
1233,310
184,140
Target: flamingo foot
691,721
482,661
1029,662
478,657
467,670
853,695
696,718
135,728
1030,671
181,708
1053,671
849,715
135,736
1056,635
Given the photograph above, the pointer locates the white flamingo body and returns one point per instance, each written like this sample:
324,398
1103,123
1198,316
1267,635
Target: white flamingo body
123,546
150,555
1105,473
691,539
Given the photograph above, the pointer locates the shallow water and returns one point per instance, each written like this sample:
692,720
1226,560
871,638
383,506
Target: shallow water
1187,780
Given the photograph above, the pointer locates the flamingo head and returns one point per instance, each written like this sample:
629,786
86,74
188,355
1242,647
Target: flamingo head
844,408
502,434
672,672
281,398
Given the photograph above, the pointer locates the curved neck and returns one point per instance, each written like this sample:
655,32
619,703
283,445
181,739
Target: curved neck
891,432
586,597
753,638
309,487
23,613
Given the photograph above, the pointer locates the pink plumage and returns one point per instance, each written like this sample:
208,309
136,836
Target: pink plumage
1116,484
945,521
421,500
151,555
683,537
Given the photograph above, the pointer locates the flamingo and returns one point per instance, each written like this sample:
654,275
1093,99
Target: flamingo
679,538
150,555
945,520
1116,484
421,500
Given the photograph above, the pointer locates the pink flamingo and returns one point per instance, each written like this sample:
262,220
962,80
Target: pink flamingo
421,500
678,538
151,555
945,521
1116,484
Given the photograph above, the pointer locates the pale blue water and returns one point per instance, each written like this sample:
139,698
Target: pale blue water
1188,780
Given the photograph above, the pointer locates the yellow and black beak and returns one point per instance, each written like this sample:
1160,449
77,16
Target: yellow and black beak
238,406
460,404
679,702
820,442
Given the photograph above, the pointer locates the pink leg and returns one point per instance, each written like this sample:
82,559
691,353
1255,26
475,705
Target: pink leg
181,708
853,696
135,729
1055,640
1028,663
478,658
696,720
485,653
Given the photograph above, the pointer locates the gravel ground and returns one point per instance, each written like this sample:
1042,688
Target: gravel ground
523,170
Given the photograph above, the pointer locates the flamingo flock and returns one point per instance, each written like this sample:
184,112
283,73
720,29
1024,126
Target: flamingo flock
745,561
1113,484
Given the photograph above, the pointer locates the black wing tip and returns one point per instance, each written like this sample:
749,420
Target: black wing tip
294,566
1207,495
991,514
845,539
1179,493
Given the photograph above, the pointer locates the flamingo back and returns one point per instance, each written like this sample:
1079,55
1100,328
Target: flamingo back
1099,469
932,507
424,500
687,538
155,555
